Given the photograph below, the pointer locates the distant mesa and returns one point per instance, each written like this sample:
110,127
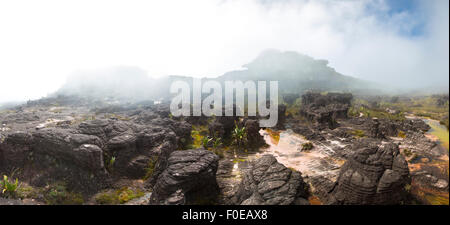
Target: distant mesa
295,72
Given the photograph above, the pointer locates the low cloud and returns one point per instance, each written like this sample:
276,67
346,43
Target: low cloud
43,42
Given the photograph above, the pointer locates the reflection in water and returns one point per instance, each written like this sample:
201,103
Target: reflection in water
438,132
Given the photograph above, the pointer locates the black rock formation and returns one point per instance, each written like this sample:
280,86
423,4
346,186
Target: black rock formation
325,109
375,174
189,178
268,182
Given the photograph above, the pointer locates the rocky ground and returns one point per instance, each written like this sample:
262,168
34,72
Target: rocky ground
68,150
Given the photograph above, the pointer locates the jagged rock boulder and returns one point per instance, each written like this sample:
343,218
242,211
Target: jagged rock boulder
414,125
182,129
268,182
376,173
216,130
281,116
86,156
132,145
189,178
254,138
382,128
51,154
374,129
325,109
308,133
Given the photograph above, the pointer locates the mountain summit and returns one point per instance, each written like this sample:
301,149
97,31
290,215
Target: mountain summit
296,73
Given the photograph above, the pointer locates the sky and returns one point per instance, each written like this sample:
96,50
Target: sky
401,43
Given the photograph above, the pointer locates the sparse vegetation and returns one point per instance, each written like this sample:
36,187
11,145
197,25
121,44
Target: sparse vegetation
8,187
198,133
307,146
57,194
357,133
206,142
119,196
356,111
239,135
25,191
150,168
111,162
401,134
217,143
116,116
407,152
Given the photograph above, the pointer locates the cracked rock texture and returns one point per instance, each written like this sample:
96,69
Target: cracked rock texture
190,178
268,182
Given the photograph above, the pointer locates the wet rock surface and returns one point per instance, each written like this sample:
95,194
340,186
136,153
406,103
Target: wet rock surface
190,178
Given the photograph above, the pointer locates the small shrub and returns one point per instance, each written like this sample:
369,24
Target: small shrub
119,196
217,143
401,134
150,168
358,133
206,142
239,136
58,194
26,192
8,187
407,152
111,163
307,146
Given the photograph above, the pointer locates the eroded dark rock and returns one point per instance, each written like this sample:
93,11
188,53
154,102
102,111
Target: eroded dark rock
375,174
325,109
268,182
189,178
254,138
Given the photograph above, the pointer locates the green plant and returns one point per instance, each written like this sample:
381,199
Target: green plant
25,191
198,133
111,163
217,143
407,152
206,141
8,187
119,196
401,134
57,194
150,168
239,136
307,146
358,133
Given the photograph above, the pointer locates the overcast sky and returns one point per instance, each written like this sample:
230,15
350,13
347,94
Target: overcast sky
404,43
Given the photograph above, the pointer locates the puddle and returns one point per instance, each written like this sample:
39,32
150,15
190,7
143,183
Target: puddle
314,162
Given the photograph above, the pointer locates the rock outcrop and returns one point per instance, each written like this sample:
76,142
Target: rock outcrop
51,154
325,109
383,128
87,155
189,178
375,174
281,116
268,182
254,138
